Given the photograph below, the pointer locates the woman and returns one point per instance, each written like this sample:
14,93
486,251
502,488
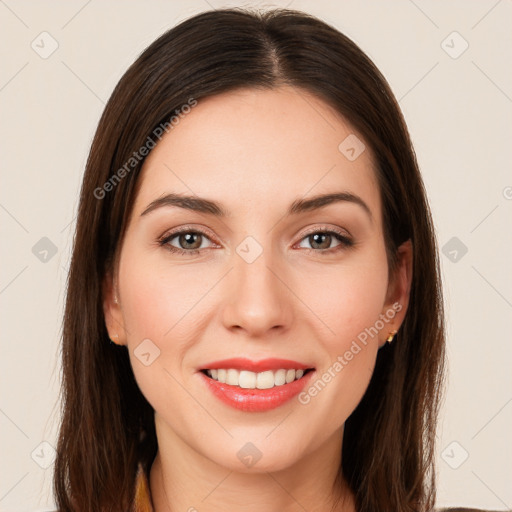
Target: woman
254,239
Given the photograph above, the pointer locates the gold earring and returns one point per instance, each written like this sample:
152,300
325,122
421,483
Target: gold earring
390,337
116,336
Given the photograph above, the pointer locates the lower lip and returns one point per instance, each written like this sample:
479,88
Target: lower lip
256,400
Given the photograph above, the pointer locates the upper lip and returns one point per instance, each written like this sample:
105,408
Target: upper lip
242,363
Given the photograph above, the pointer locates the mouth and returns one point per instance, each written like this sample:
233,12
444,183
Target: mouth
250,391
246,379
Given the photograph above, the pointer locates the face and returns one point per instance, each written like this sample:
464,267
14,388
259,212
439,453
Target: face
274,276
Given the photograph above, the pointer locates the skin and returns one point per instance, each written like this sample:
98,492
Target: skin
255,152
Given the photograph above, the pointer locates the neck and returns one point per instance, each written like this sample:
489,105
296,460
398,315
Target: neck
181,479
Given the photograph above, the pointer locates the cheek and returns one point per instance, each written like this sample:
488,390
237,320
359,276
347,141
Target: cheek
158,309
358,305
348,299
349,303
157,297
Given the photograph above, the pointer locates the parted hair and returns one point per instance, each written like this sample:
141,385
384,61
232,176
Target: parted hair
107,427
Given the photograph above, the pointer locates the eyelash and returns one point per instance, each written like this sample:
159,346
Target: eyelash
345,241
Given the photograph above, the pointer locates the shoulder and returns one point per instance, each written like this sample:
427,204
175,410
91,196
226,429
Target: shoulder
464,509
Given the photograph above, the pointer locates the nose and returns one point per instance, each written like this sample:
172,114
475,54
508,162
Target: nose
258,299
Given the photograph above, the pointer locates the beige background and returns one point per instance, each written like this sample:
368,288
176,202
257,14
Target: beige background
459,114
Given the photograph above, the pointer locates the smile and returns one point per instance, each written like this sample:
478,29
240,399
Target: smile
255,385
250,380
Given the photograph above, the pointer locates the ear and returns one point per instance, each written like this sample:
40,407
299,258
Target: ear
399,288
112,311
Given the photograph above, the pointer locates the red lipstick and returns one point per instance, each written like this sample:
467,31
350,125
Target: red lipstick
256,400
242,363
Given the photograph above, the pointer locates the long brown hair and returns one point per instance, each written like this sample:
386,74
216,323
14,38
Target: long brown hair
107,425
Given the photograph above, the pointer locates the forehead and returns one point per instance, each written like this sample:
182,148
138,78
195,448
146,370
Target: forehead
255,146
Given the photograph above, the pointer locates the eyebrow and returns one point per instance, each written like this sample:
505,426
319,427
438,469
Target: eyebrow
202,205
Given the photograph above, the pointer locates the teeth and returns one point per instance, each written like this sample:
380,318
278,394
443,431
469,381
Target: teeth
264,380
280,377
232,377
251,380
247,380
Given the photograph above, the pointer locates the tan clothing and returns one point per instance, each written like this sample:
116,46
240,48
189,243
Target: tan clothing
142,502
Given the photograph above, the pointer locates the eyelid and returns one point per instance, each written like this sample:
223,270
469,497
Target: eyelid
345,236
345,239
187,228
169,235
325,228
315,229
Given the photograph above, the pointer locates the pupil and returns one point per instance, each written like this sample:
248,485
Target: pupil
188,238
317,239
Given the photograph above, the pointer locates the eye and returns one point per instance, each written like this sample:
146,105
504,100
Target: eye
191,241
185,241
321,241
